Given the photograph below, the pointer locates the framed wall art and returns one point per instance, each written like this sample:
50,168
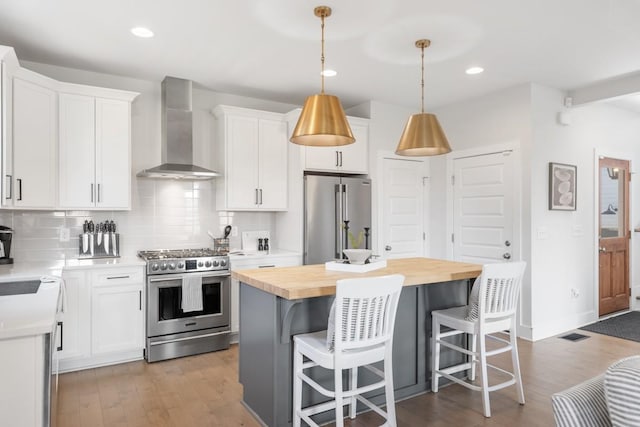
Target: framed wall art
562,187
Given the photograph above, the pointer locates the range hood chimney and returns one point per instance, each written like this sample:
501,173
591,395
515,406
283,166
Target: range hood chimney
177,135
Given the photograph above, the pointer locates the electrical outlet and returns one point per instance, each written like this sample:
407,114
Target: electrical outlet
64,234
234,231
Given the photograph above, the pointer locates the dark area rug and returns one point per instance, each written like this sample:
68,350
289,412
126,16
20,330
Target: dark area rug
575,337
625,326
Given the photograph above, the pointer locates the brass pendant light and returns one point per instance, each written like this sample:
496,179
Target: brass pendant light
322,122
422,135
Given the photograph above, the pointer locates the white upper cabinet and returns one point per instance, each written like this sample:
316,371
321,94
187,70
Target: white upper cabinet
253,160
352,158
95,151
34,141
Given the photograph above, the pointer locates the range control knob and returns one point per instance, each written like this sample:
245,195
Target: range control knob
154,266
200,264
163,266
223,263
172,266
207,263
215,262
181,264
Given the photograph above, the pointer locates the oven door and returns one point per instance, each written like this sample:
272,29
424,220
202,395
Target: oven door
164,299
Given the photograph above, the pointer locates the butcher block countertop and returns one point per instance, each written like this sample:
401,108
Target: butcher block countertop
315,281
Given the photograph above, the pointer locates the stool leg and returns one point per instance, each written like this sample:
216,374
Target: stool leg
354,385
474,347
516,362
435,354
297,385
388,390
337,375
484,379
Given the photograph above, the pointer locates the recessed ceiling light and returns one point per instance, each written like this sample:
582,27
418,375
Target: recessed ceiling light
142,32
329,73
474,70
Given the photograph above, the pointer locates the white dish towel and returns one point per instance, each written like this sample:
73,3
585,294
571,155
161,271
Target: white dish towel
191,292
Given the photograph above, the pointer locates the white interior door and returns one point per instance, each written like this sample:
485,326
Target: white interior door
403,207
483,208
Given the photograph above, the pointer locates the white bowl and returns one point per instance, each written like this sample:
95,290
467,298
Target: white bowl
357,256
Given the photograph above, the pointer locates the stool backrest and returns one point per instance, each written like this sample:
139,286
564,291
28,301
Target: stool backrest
500,289
365,311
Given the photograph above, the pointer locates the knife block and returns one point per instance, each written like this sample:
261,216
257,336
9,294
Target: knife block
95,249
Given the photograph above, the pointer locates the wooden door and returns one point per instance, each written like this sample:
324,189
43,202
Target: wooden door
402,201
483,208
614,235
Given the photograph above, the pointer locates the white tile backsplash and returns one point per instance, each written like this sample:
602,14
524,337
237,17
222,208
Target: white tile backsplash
165,214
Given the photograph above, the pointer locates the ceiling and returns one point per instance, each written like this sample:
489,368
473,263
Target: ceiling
271,49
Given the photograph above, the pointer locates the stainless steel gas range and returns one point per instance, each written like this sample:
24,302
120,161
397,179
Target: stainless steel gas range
173,328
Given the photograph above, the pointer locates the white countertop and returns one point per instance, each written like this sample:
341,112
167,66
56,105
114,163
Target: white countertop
29,314
35,270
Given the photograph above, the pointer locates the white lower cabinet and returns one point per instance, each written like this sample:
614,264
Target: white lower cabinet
250,262
117,322
103,321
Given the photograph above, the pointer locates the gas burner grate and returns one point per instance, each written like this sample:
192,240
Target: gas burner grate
179,253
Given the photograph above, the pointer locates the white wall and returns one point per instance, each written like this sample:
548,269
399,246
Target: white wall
567,259
164,214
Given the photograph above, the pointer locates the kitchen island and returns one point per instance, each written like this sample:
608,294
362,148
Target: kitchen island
278,303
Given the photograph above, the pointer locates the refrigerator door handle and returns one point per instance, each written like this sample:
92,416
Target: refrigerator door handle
338,220
345,203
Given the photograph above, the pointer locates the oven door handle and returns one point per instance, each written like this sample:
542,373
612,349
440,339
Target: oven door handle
172,277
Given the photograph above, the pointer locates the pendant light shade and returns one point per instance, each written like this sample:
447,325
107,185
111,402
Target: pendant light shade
322,122
423,135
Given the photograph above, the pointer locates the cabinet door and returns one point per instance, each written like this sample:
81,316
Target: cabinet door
354,157
117,321
321,158
241,174
76,318
77,151
272,167
113,154
34,145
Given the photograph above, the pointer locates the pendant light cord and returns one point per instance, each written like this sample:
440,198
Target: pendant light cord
322,57
422,82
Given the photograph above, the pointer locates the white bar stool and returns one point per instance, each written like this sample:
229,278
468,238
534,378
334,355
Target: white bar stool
364,311
492,309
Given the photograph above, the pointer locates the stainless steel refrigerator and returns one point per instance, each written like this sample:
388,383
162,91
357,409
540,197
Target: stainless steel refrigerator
333,207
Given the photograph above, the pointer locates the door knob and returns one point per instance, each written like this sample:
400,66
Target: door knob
387,248
507,243
506,255
602,249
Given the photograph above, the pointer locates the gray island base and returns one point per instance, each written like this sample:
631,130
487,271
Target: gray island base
268,322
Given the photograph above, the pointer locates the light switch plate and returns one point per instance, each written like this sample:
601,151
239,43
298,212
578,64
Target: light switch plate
250,240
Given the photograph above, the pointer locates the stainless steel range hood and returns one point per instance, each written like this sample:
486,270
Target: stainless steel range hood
177,135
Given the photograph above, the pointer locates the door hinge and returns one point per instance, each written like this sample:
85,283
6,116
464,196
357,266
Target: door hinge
424,180
452,238
453,180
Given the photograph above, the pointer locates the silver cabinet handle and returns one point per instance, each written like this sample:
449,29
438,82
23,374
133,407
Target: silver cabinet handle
261,196
19,188
10,190
61,324
267,266
118,277
91,193
337,159
506,255
256,196
98,193
140,299
340,159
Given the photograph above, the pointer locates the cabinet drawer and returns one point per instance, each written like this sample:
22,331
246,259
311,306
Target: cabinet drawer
118,276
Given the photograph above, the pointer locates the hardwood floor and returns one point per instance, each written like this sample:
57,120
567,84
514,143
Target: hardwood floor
204,391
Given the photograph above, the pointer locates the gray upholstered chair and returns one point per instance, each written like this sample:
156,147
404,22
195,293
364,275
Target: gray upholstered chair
610,399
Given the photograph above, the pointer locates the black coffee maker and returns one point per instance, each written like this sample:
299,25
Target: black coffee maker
5,245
